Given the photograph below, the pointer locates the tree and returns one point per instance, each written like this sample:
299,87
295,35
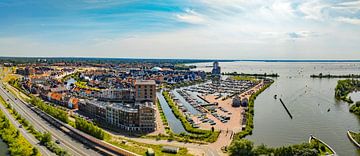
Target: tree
46,137
241,147
284,151
262,150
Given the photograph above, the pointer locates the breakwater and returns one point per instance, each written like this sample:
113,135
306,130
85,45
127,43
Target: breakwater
286,108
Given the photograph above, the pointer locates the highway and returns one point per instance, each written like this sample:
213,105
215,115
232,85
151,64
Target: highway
28,136
71,145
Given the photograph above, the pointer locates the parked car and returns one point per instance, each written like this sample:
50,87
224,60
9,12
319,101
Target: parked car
57,141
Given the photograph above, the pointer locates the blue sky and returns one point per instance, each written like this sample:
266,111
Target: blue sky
226,29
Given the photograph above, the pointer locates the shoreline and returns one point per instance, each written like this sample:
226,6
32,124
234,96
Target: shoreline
352,139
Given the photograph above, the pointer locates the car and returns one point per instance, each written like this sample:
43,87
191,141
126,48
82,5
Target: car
15,98
57,141
20,126
213,123
7,100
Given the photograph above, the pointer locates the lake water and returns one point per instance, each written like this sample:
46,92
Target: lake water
307,99
3,148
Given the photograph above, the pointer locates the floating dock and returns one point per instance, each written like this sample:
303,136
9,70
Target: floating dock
286,108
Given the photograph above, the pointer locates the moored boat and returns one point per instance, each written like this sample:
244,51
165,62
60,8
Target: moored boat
350,135
333,153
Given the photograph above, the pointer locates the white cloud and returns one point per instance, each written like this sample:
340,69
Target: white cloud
354,21
190,16
227,29
313,9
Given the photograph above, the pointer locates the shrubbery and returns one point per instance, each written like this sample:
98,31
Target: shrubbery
89,128
344,87
245,147
355,108
51,110
18,145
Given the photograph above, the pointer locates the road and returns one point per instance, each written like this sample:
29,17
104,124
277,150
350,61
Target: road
66,142
28,136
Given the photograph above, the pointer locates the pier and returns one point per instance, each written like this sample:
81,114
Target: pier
286,108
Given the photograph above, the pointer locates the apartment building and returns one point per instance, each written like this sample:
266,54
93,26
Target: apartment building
145,90
133,117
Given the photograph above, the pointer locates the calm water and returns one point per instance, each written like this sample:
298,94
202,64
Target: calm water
307,99
174,123
3,148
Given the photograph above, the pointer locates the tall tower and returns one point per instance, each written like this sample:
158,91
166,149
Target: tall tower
216,71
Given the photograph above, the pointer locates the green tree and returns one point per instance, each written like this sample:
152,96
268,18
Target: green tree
241,147
46,137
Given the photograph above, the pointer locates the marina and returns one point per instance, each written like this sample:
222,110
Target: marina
307,99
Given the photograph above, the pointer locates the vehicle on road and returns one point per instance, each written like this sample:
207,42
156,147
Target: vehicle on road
20,126
57,141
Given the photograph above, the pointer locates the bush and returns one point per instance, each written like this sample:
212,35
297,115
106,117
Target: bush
89,128
344,87
18,145
51,110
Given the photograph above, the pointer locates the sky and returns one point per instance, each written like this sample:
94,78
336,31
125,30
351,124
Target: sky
206,29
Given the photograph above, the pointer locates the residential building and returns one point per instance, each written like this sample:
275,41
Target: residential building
130,117
118,94
145,90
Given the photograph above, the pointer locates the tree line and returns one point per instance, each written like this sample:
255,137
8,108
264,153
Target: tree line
51,110
17,144
89,128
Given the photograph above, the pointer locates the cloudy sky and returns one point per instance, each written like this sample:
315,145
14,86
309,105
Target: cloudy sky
224,29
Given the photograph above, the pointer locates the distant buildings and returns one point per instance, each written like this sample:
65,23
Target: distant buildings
118,94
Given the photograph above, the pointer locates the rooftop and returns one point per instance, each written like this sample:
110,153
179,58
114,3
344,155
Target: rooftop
145,82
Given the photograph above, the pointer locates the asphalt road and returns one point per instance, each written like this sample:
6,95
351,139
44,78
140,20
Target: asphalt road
28,136
73,146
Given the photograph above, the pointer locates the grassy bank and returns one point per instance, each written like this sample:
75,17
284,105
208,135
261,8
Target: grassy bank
355,136
321,147
355,108
345,87
252,75
321,75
